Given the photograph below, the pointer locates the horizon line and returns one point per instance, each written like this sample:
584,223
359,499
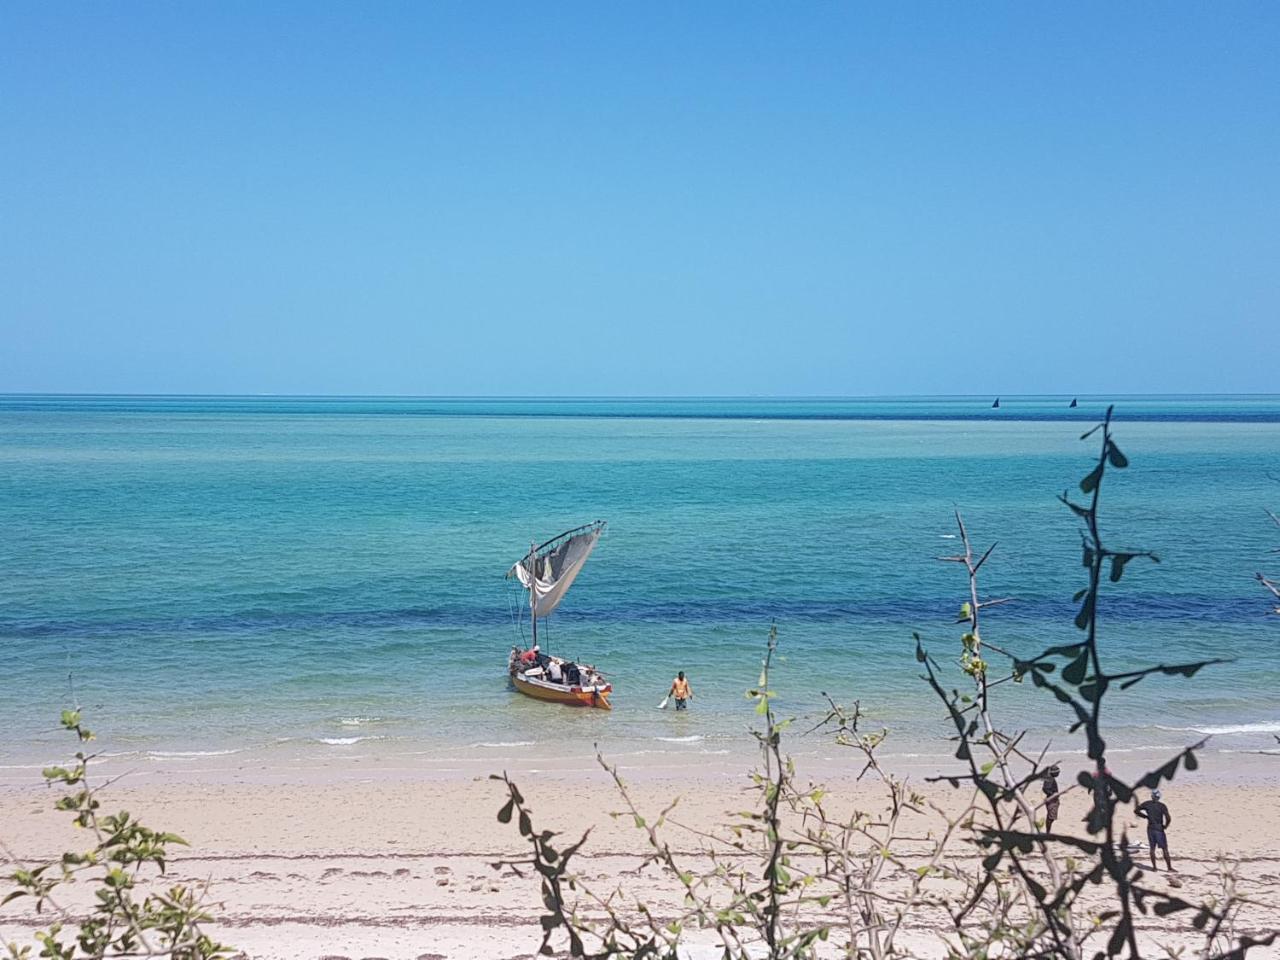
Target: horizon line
1012,397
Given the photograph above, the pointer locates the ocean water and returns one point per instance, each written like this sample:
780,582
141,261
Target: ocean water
266,578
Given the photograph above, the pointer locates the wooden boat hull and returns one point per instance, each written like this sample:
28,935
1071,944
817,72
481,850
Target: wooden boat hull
574,695
597,696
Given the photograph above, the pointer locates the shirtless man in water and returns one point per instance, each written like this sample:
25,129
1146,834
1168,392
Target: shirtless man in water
681,690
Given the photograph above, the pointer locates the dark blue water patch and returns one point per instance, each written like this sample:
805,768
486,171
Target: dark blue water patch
907,614
1176,409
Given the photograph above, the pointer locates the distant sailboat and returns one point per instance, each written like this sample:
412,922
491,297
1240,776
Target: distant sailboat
547,572
1073,403
996,404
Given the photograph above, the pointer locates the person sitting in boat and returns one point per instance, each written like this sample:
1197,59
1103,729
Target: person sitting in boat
529,657
554,672
572,675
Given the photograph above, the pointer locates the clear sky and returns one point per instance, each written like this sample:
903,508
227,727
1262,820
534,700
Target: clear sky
639,199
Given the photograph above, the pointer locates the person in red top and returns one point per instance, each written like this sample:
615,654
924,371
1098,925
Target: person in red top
529,657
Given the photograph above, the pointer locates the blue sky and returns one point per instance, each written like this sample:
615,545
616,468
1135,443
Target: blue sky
642,199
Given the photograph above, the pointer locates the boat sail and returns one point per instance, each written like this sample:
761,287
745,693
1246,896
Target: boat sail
547,571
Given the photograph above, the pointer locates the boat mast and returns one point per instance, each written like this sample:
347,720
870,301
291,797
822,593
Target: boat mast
533,596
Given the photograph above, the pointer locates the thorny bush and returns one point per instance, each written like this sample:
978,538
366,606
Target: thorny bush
790,879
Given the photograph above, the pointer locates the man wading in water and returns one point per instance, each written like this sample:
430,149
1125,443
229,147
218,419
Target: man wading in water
1158,818
681,691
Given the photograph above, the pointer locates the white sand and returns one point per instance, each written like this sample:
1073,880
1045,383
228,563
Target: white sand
383,863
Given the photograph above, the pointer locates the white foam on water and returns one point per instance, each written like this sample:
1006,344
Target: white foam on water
344,741
508,743
693,738
1272,726
187,754
358,721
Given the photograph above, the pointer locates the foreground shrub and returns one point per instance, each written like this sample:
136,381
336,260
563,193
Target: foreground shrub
123,921
787,879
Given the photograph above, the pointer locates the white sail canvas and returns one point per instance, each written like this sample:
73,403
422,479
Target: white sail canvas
555,569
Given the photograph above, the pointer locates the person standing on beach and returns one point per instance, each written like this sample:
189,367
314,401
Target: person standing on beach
1051,798
1102,787
1158,819
681,690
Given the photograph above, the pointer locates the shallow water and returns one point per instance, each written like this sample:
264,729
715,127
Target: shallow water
272,576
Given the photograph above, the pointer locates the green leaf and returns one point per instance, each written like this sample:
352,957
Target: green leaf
1091,691
1118,561
1091,480
1086,613
504,815
1075,508
1118,459
1074,672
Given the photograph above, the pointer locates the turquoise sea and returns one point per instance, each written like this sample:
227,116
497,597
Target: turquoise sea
255,576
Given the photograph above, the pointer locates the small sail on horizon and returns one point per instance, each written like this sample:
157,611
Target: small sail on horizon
996,404
548,571
1073,402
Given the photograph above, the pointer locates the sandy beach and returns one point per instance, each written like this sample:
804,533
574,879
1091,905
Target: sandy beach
407,408
335,862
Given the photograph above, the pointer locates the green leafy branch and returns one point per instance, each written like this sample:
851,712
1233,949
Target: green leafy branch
121,924
1082,684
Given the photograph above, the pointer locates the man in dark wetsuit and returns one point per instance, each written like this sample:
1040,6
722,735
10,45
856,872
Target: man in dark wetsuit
1158,819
